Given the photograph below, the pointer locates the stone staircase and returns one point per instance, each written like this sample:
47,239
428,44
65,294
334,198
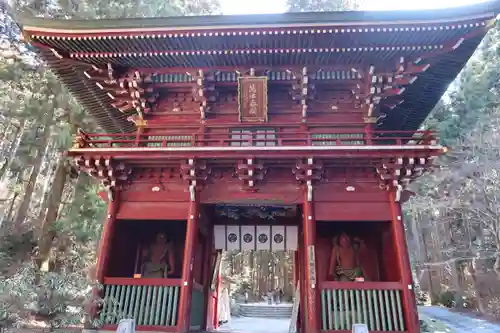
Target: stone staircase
263,310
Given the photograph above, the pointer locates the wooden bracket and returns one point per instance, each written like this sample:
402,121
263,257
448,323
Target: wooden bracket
300,90
250,173
202,91
112,174
127,92
195,172
397,173
307,173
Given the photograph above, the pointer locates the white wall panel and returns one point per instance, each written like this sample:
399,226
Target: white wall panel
292,238
220,237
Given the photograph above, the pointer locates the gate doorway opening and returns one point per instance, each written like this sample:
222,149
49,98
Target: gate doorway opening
258,269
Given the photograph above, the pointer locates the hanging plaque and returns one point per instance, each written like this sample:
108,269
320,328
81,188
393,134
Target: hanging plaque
252,98
312,266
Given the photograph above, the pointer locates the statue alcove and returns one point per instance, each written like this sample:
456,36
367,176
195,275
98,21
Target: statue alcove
133,237
375,250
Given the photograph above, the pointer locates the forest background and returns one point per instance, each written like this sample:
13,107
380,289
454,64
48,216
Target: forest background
51,216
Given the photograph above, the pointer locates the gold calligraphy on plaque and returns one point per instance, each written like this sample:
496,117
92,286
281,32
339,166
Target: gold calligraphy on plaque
252,98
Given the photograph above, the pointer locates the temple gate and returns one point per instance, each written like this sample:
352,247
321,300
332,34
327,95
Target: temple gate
316,111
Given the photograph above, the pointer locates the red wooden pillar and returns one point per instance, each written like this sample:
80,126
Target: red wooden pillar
187,265
310,283
103,252
107,236
398,234
301,264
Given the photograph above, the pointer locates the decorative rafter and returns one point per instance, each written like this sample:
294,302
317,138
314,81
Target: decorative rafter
222,32
141,96
384,88
249,51
128,92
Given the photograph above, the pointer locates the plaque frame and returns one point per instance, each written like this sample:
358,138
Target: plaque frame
242,113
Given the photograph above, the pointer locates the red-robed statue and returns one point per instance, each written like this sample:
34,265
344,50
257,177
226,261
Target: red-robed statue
344,260
158,259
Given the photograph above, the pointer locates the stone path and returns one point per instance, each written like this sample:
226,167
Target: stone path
256,325
451,322
459,323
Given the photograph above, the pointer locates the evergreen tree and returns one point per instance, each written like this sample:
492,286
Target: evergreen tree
51,217
453,220
321,5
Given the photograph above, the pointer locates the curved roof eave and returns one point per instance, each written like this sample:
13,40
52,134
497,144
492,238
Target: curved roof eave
348,18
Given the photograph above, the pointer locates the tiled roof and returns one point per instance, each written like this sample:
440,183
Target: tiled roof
444,38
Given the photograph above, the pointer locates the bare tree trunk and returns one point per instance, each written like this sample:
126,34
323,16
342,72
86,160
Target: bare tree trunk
479,299
496,267
37,166
11,152
8,215
48,233
455,277
3,168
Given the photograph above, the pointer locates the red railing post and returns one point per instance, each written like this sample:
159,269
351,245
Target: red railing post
138,136
368,134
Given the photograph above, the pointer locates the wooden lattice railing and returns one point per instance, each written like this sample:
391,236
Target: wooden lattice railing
379,305
265,137
151,302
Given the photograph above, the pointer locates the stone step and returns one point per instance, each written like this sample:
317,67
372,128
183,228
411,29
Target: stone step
254,308
265,311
